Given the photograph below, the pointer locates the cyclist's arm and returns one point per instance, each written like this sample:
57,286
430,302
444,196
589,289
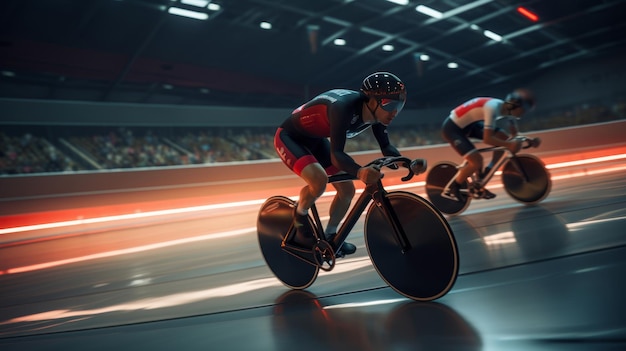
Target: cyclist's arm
380,133
513,128
490,111
338,125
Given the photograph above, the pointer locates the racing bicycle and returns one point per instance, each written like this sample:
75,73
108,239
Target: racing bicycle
524,177
410,242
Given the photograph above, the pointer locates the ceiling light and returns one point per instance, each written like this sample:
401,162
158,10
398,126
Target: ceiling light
388,47
424,57
400,2
339,42
493,36
214,7
453,65
265,25
198,3
187,13
428,11
474,27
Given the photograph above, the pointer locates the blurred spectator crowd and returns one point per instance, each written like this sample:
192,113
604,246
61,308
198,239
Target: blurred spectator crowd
40,149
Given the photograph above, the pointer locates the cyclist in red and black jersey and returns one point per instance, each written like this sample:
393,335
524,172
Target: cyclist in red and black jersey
311,143
476,118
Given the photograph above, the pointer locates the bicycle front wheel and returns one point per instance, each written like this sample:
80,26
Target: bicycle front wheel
436,180
526,179
428,269
274,221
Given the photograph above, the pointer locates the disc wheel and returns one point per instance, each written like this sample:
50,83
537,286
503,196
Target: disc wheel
436,180
430,267
526,179
274,220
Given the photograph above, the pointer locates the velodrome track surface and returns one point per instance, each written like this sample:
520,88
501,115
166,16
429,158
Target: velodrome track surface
544,277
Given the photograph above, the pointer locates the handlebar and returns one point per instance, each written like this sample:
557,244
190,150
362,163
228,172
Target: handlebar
528,142
417,166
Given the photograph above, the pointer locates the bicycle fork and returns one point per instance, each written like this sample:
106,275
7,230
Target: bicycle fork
383,203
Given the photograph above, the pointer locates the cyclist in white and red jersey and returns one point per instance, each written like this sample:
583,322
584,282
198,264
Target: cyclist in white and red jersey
476,118
311,143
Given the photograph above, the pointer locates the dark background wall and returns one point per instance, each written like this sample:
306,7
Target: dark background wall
592,81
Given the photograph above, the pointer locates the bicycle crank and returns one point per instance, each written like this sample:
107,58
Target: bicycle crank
324,255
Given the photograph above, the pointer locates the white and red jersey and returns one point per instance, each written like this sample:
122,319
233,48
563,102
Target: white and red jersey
475,110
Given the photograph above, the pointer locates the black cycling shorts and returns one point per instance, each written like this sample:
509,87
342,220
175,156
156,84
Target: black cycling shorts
298,152
459,137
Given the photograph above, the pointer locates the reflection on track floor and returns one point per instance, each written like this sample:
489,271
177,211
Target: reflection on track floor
547,277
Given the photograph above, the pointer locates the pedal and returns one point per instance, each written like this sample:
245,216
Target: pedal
476,193
449,196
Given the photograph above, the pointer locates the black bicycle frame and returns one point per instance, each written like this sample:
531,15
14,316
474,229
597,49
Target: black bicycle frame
377,193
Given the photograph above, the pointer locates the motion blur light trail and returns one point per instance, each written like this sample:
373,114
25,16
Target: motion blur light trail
76,222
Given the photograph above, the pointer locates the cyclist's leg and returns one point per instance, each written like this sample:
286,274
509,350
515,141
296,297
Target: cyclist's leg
296,154
475,159
342,200
316,178
340,205
500,134
338,209
459,141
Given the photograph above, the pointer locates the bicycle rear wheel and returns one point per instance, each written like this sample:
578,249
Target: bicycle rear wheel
436,180
275,218
429,268
526,179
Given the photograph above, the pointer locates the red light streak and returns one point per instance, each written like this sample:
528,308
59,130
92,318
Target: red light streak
526,13
69,223
552,165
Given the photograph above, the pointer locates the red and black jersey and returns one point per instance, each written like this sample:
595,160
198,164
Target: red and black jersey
336,114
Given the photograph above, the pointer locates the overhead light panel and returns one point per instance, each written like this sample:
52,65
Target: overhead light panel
388,47
493,36
265,25
339,42
528,14
424,57
428,11
453,65
186,13
214,7
197,3
400,2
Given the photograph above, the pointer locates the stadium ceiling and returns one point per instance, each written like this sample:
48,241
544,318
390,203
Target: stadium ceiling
136,51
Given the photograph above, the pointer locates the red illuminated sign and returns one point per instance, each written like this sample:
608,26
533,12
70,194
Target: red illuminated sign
528,14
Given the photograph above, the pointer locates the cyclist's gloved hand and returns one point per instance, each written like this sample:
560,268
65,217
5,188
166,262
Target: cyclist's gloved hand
535,142
419,166
370,174
515,145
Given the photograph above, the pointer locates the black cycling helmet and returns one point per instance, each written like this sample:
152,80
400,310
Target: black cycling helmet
521,98
387,89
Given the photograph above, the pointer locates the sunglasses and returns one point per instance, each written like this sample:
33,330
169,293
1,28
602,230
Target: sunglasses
390,105
527,106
